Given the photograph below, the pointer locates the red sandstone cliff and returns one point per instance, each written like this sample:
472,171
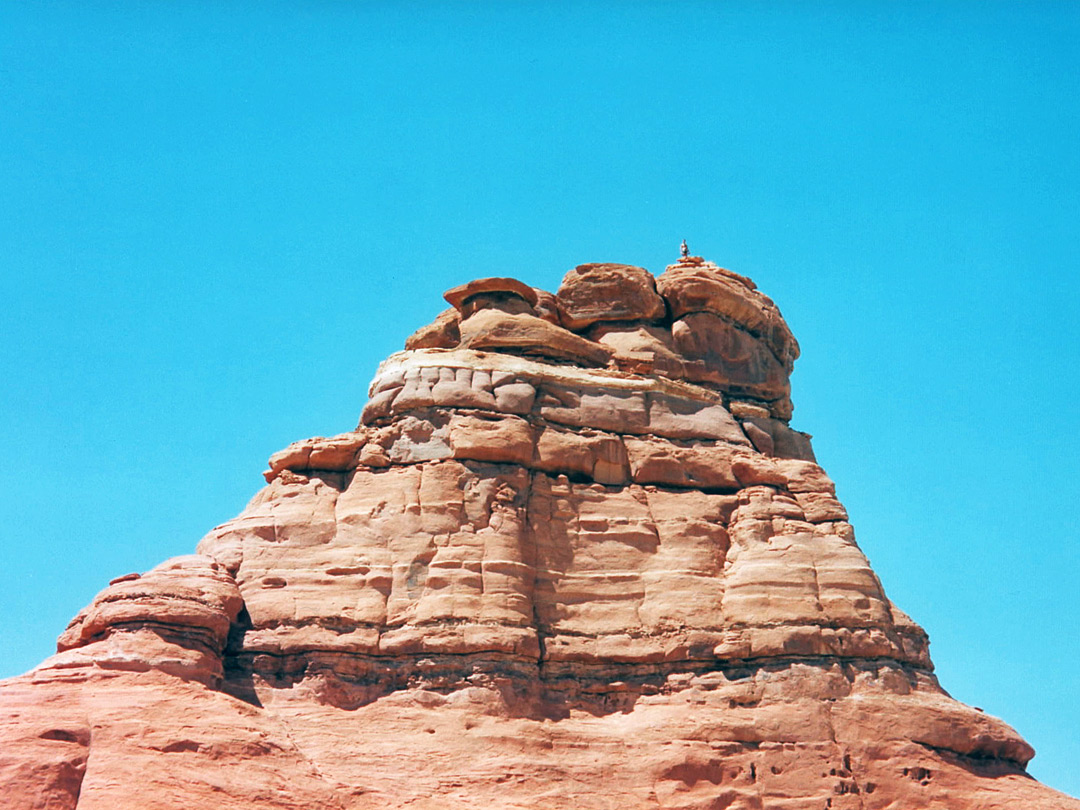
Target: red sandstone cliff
573,557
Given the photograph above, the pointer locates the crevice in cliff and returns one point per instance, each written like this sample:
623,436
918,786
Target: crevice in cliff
607,687
530,541
981,764
238,681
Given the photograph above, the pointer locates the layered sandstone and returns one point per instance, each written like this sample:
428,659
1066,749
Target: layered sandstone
574,555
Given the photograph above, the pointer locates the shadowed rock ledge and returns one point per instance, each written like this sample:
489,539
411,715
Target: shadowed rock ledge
573,556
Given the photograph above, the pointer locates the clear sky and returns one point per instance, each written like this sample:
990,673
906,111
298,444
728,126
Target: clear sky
216,218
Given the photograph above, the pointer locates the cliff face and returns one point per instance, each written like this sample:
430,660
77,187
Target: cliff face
573,556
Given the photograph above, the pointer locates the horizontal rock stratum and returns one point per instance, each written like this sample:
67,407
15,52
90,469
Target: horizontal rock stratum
573,556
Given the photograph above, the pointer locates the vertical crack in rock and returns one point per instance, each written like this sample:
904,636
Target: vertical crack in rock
530,539
574,555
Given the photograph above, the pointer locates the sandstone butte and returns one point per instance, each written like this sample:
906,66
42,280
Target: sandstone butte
573,556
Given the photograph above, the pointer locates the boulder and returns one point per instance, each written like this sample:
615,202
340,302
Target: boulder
608,292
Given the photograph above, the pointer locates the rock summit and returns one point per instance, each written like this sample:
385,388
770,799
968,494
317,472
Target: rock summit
573,556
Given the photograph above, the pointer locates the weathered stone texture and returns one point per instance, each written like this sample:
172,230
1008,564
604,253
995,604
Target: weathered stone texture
574,556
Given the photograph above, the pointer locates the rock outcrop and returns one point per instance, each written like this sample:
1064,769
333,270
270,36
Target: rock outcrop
574,556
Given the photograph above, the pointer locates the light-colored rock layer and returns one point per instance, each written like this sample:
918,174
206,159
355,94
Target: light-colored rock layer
584,567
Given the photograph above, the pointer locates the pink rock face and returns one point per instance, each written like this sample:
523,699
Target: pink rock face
549,569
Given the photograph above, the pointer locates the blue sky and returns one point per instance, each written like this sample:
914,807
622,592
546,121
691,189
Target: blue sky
216,218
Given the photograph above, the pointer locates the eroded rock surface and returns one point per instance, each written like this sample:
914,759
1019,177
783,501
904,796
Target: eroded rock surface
573,556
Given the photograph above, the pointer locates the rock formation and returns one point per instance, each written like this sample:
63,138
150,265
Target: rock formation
573,556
